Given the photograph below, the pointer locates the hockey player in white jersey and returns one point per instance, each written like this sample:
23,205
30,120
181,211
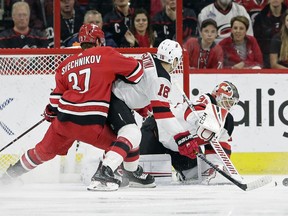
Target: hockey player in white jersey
222,11
156,139
153,91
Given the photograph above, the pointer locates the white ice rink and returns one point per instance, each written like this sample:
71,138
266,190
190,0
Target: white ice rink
68,199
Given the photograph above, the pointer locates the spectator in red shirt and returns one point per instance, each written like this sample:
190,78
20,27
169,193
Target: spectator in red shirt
241,50
203,51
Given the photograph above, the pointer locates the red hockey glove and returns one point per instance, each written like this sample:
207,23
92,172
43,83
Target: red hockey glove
49,114
187,146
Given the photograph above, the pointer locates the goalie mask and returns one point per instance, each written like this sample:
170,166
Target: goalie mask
226,95
91,33
168,51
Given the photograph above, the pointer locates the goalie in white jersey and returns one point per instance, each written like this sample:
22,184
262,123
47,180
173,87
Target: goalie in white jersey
153,91
156,139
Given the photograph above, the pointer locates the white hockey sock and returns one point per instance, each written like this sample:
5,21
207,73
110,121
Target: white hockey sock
113,160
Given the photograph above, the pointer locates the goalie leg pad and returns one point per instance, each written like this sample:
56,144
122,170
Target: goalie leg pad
209,175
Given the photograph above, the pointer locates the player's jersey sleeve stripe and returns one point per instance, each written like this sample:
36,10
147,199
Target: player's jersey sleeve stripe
161,109
54,99
136,75
157,103
187,113
163,115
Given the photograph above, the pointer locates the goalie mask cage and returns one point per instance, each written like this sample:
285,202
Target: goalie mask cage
27,77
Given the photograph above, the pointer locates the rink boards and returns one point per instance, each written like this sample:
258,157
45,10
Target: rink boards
259,139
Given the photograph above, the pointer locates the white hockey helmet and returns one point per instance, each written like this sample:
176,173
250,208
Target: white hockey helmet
168,50
226,95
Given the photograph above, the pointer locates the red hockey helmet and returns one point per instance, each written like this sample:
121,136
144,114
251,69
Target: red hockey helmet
90,33
226,95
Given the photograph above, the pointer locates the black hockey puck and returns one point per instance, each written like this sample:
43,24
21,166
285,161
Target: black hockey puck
285,182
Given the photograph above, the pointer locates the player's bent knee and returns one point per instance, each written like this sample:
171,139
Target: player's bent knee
132,133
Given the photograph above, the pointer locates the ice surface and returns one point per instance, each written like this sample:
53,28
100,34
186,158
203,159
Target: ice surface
71,199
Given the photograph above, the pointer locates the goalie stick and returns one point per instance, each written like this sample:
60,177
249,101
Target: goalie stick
246,187
225,159
27,131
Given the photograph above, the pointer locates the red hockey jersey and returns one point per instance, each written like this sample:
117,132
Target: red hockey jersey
232,57
84,82
199,58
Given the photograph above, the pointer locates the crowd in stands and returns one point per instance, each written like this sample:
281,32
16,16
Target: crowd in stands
216,33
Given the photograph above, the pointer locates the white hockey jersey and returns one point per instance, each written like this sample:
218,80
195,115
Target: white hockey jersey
189,121
223,18
153,89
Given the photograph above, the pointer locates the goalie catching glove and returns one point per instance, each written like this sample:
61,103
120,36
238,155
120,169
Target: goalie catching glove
187,146
49,114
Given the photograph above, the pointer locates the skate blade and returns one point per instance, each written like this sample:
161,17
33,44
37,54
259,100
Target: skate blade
99,186
138,185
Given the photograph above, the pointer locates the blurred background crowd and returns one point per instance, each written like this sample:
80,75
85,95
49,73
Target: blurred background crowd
216,33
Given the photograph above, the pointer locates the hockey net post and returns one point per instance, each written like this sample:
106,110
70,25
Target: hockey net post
24,69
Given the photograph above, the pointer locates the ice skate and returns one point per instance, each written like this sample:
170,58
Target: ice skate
139,179
119,174
104,180
10,177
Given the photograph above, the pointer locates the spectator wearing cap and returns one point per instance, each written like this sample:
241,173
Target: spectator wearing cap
203,51
241,50
21,35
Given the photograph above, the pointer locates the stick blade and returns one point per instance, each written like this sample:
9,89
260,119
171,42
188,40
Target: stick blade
258,183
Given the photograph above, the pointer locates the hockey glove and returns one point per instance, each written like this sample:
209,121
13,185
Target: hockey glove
187,146
49,114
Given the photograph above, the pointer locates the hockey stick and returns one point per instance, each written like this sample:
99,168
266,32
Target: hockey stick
225,159
246,187
27,131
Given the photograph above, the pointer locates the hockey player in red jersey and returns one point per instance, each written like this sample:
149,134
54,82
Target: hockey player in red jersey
79,105
156,139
